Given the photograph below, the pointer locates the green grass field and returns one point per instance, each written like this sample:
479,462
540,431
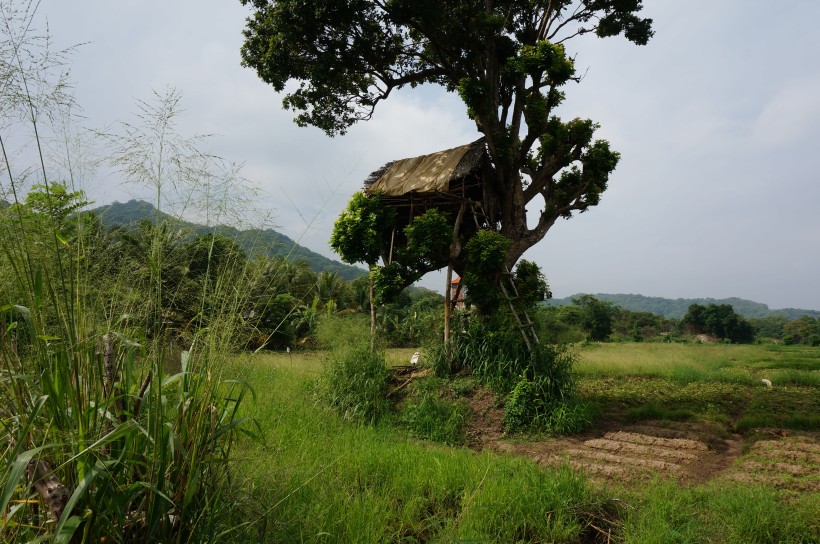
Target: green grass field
315,478
711,382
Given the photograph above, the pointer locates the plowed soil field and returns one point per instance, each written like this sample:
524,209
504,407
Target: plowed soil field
687,452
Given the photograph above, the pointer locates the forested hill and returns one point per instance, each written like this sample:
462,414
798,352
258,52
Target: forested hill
677,308
254,241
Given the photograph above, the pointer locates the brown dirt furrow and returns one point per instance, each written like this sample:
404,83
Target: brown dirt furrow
787,450
773,481
607,471
674,443
804,445
777,468
663,432
649,464
638,449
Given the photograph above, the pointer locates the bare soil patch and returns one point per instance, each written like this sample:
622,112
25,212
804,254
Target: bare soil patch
689,452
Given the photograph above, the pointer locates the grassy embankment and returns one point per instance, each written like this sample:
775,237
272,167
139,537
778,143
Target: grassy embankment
318,479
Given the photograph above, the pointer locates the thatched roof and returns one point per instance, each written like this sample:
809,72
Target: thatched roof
427,174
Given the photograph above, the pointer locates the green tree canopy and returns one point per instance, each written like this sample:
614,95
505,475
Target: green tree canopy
719,320
596,317
506,59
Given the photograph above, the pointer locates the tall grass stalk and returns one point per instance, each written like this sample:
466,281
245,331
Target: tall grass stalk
103,420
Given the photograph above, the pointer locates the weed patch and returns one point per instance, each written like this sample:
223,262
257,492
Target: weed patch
526,410
433,418
653,411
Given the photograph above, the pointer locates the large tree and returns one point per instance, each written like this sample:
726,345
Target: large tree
506,59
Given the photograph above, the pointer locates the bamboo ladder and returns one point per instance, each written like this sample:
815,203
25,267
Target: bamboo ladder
525,325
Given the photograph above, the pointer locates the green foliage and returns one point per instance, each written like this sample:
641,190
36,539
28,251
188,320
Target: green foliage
804,331
388,282
359,231
370,484
95,390
428,240
719,512
799,422
720,321
638,326
413,319
364,231
429,416
56,202
531,407
526,404
595,317
486,254
653,411
531,284
354,382
571,418
559,324
492,350
508,63
255,242
677,308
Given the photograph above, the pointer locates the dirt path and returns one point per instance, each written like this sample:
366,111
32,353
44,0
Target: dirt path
687,452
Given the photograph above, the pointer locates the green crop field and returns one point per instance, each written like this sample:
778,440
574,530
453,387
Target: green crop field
316,478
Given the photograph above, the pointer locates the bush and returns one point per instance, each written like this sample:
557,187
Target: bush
530,408
525,406
355,381
493,350
436,419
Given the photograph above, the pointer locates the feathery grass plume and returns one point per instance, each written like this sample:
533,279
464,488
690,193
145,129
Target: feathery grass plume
104,418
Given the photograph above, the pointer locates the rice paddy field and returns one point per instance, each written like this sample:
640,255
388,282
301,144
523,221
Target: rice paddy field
687,444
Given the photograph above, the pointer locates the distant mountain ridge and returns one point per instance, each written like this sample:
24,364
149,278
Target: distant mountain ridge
267,242
677,308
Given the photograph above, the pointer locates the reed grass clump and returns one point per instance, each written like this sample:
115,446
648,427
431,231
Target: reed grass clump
113,427
90,410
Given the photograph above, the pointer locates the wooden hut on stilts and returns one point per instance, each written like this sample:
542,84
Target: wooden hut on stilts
454,181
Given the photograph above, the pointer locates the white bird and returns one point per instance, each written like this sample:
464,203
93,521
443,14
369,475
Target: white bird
767,383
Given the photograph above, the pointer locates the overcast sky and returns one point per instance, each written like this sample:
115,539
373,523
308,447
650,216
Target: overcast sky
717,120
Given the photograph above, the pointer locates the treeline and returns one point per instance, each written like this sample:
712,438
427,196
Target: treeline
282,300
677,308
590,318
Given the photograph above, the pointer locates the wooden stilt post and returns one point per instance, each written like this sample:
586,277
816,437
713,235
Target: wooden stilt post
447,306
372,312
454,249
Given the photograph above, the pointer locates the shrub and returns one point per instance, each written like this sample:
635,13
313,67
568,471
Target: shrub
493,350
655,412
436,419
355,380
530,407
525,405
